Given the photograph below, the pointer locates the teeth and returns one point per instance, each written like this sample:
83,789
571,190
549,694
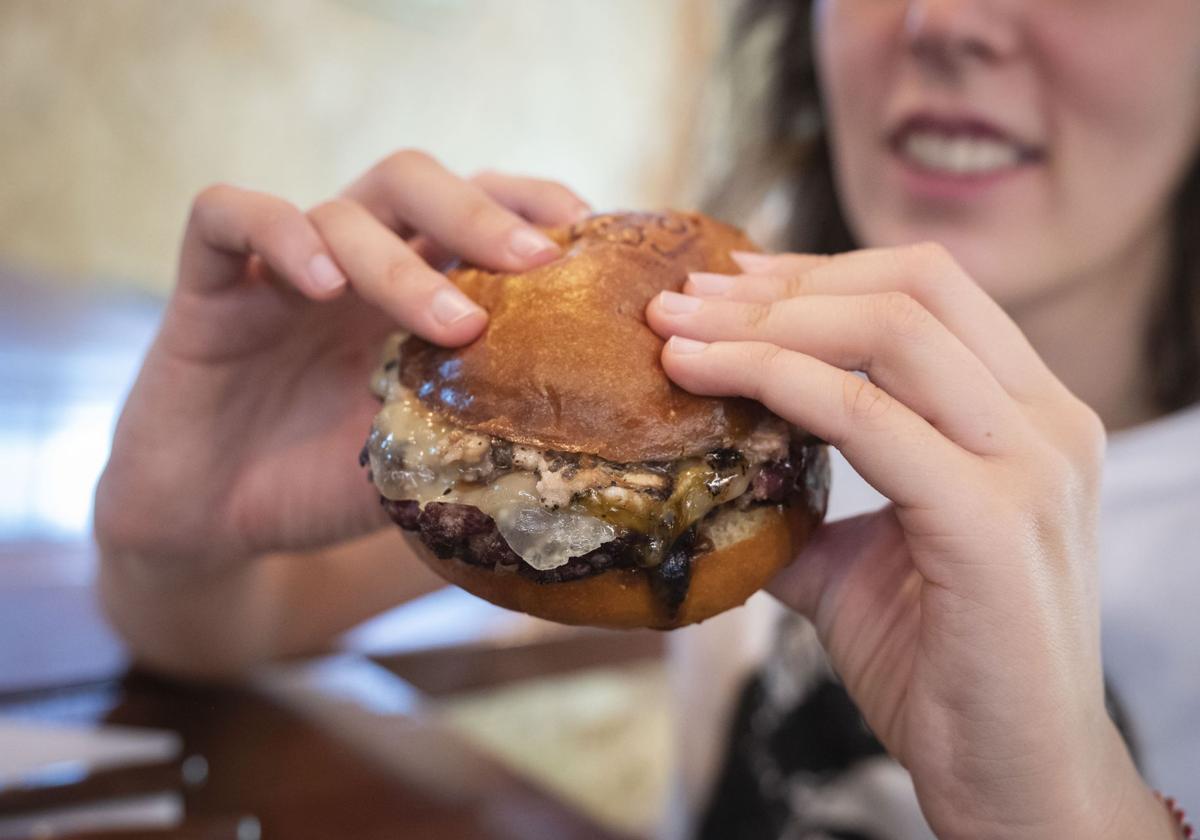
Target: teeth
959,155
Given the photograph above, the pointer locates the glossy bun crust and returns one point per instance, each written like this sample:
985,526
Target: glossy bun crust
567,361
723,578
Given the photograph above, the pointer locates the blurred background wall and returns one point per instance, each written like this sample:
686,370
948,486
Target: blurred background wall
114,113
117,111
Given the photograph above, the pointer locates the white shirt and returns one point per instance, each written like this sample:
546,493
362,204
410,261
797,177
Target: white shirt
1150,589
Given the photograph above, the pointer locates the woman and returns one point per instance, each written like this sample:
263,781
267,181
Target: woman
1043,144
1105,289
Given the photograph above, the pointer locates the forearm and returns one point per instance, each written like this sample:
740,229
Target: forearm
221,624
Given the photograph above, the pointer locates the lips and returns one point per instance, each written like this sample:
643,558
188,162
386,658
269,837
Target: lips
959,147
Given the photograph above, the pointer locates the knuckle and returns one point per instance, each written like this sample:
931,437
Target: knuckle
794,285
1050,464
332,208
1088,436
487,177
276,218
1091,427
756,317
929,255
933,267
536,189
922,286
863,401
765,363
403,161
1054,478
558,190
900,315
398,274
768,355
1057,482
211,199
482,213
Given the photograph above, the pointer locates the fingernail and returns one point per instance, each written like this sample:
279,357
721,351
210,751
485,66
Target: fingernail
526,242
324,275
678,304
581,213
750,261
679,344
450,306
710,284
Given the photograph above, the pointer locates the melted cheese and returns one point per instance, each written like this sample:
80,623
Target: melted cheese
415,454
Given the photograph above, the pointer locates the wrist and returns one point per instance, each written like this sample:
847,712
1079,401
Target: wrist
135,544
1125,806
1098,793
187,623
1179,820
1142,814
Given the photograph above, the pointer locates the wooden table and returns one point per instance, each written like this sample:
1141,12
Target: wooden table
268,764
275,773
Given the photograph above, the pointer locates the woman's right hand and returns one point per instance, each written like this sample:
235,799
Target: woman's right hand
963,618
241,434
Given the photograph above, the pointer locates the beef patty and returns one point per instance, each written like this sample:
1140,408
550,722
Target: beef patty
465,532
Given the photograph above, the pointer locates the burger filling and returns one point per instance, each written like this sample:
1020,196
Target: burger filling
554,515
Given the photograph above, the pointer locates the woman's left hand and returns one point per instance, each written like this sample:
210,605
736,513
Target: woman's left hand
963,618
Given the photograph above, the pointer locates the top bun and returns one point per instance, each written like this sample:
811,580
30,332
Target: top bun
567,361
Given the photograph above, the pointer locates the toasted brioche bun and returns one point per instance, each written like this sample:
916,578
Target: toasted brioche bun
749,547
568,362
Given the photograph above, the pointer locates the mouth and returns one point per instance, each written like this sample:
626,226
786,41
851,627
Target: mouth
960,148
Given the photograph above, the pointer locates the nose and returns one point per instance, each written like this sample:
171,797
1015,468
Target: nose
946,34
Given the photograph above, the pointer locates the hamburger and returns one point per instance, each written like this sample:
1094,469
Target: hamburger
551,466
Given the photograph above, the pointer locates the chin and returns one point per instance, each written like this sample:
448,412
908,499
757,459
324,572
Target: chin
1008,265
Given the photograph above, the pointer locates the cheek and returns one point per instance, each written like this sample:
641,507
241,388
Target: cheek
1126,127
859,44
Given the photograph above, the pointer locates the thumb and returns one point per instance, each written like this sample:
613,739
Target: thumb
848,551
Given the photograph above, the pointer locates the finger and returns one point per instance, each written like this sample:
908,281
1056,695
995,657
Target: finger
228,225
386,272
863,553
925,272
411,192
541,202
891,337
753,262
860,588
895,450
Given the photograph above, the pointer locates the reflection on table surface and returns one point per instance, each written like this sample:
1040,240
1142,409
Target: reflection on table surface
354,746
443,718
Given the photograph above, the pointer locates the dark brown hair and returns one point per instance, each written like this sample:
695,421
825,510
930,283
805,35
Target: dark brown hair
786,150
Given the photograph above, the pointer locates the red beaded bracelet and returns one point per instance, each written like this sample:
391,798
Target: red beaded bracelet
1178,815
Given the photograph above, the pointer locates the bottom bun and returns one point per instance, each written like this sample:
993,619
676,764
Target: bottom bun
749,547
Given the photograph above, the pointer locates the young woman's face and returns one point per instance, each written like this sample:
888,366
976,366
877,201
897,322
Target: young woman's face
1039,140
